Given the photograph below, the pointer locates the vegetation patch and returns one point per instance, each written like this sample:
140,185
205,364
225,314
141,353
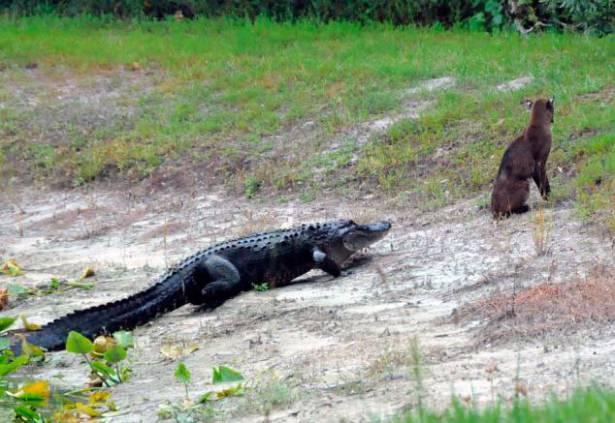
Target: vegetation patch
594,404
266,107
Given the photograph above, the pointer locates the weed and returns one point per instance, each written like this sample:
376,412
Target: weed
416,371
307,196
32,401
265,395
112,351
387,363
261,287
541,229
182,374
251,186
201,409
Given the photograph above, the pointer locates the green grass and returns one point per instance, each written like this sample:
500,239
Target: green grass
590,405
220,88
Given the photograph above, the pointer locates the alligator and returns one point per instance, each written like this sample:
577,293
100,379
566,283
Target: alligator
213,275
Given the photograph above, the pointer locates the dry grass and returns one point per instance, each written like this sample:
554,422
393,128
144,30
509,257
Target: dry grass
164,230
541,230
364,215
252,222
545,309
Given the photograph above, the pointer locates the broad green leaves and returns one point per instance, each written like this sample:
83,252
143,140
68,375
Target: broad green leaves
124,339
115,354
222,374
112,350
78,344
35,393
6,322
11,365
182,374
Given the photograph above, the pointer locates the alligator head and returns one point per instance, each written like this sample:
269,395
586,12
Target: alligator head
342,238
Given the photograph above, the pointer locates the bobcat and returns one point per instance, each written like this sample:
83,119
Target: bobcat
525,157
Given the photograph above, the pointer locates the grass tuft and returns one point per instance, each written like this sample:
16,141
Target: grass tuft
593,404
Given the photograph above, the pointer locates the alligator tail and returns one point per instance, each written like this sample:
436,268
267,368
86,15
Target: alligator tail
168,294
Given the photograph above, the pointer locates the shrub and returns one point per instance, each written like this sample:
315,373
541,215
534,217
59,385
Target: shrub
527,15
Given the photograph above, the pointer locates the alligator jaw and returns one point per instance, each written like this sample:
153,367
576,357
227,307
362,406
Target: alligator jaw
362,236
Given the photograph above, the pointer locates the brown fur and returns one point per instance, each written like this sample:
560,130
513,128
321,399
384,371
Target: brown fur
525,158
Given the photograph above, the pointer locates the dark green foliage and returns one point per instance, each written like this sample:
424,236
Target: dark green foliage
595,16
527,15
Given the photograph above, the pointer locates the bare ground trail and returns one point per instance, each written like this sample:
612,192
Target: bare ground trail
340,347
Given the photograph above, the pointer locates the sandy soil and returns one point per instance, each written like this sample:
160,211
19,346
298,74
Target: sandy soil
341,347
321,350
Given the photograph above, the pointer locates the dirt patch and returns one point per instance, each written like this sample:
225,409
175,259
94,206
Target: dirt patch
319,349
433,84
546,309
515,84
66,105
335,348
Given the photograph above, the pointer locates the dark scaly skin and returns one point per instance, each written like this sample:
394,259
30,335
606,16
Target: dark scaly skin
215,274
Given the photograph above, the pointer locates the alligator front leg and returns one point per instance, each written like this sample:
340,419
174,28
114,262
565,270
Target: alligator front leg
325,263
224,284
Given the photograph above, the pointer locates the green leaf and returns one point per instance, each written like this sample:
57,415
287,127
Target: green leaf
33,399
6,322
5,369
223,374
54,283
28,414
228,392
31,350
182,373
124,339
78,344
206,397
115,354
16,290
4,343
105,372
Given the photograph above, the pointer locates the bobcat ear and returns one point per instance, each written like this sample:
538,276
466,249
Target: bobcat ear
550,102
527,104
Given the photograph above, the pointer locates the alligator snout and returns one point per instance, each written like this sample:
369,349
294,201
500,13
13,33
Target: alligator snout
382,226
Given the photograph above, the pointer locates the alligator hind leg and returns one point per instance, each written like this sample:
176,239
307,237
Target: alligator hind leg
224,284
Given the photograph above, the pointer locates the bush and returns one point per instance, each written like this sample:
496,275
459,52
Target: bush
527,15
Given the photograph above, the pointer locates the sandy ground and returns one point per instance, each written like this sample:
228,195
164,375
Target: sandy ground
322,350
341,348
